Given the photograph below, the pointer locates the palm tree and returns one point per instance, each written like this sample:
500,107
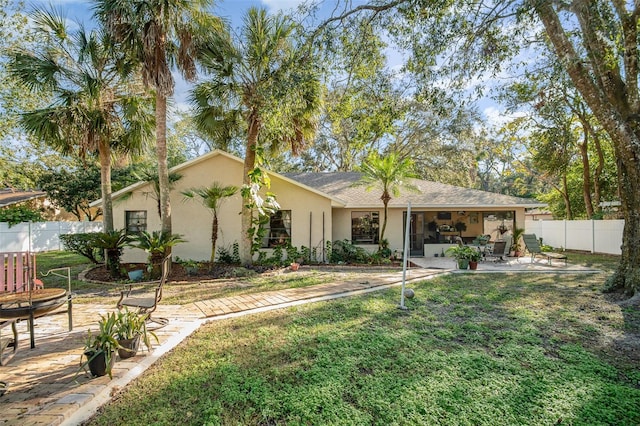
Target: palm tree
271,83
96,107
160,33
389,173
212,198
151,176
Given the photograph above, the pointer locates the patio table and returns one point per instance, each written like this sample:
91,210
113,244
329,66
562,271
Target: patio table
31,304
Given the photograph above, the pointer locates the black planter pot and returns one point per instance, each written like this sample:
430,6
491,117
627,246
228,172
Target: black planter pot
98,364
129,347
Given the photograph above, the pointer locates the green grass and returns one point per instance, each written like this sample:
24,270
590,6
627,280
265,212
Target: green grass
181,293
606,262
484,349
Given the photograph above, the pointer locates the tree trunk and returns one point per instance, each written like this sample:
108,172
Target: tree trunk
104,152
163,168
586,173
385,200
565,197
602,94
597,174
214,238
247,213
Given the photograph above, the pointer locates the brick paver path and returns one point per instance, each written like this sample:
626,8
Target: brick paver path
46,386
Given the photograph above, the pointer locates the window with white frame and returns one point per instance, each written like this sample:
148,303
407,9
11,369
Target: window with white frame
365,227
278,229
135,221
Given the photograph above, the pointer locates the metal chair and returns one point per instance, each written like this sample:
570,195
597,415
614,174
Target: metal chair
500,250
146,304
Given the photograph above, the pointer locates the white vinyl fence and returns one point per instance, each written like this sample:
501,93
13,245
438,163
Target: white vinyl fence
41,236
595,236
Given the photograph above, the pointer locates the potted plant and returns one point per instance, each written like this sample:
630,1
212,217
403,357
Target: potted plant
460,227
130,328
158,244
483,239
516,247
474,258
462,254
99,348
135,275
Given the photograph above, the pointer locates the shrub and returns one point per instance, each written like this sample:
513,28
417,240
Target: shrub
83,244
113,243
343,251
14,215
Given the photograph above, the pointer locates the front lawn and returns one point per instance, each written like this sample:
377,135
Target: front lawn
485,349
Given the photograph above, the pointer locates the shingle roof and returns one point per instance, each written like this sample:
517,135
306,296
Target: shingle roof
430,194
9,197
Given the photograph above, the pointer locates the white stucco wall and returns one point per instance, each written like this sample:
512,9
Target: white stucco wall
194,221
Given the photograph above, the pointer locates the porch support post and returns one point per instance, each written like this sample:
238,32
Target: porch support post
405,256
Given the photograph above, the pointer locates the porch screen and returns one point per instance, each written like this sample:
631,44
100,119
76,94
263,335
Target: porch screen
278,229
135,221
364,227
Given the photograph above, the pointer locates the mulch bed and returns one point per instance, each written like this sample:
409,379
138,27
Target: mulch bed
178,272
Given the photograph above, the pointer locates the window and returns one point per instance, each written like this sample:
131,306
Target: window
364,227
135,221
278,229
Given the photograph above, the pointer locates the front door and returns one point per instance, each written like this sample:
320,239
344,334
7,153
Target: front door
416,233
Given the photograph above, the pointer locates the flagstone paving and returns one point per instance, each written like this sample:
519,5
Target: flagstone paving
47,387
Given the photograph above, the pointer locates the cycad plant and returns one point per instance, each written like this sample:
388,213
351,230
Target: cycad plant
158,244
113,243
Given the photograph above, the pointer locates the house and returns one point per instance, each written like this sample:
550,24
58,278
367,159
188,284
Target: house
36,200
316,208
11,197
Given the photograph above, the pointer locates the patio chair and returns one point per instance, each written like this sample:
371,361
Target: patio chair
500,250
533,246
146,304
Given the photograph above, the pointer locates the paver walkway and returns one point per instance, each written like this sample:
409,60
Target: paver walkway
46,389
46,386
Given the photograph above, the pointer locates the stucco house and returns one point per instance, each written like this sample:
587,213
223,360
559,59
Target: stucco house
319,207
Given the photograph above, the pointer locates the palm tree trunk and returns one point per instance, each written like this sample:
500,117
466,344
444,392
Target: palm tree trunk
247,213
104,152
214,239
163,168
385,200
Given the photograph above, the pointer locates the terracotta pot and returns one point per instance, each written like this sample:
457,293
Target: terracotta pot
473,265
294,266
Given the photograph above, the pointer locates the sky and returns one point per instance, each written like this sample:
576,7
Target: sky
233,11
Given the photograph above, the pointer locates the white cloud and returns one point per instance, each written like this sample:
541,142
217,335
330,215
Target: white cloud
495,117
283,5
